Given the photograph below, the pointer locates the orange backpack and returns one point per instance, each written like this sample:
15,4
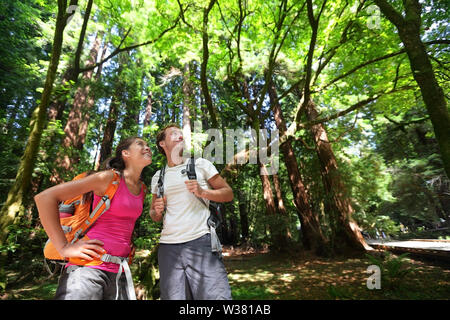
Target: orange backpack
76,219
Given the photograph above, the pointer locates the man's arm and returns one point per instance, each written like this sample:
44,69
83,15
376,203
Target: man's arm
221,191
157,208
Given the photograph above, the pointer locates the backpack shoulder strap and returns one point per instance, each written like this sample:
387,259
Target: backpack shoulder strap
190,169
160,191
102,206
192,175
105,201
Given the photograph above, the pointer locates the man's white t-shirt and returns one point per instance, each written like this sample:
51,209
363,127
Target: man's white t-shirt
186,217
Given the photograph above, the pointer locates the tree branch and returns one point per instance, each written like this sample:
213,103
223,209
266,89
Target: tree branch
295,126
356,106
343,39
204,64
119,50
81,39
387,56
391,13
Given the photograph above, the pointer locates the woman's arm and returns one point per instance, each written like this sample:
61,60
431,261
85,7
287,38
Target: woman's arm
47,205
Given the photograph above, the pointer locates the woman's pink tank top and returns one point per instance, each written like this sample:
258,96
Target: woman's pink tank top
115,227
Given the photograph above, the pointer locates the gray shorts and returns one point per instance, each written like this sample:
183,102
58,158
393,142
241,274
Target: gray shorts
191,271
84,283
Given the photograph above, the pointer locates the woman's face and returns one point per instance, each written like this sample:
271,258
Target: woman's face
139,152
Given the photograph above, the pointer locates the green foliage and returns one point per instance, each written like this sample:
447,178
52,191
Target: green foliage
23,244
251,293
387,153
338,293
394,269
23,236
147,274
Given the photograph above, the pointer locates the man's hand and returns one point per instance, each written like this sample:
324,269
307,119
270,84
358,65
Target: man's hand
220,192
194,187
159,205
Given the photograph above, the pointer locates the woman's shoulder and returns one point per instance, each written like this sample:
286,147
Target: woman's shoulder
101,180
104,176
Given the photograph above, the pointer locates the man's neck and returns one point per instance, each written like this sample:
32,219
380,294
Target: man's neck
174,162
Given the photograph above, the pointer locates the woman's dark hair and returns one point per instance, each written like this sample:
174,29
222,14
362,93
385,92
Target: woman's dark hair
117,162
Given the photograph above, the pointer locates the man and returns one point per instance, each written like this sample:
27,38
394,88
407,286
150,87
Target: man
188,268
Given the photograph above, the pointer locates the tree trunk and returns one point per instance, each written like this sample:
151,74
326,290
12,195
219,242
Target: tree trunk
280,203
110,129
346,233
111,123
77,123
19,190
188,103
133,89
233,226
57,106
243,215
277,225
281,209
312,236
70,77
269,200
148,115
204,64
422,70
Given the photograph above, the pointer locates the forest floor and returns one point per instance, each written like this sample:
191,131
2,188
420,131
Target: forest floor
265,276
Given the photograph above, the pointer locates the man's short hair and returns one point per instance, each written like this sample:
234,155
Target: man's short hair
162,135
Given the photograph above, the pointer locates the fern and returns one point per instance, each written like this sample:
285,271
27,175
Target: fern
394,269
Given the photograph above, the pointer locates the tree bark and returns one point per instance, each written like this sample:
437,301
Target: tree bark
312,236
71,74
277,223
422,70
280,202
188,102
77,123
148,114
203,68
243,215
346,235
148,109
269,200
111,123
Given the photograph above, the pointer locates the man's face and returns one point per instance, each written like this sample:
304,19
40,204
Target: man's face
173,142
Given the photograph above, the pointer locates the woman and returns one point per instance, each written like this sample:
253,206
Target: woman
112,231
